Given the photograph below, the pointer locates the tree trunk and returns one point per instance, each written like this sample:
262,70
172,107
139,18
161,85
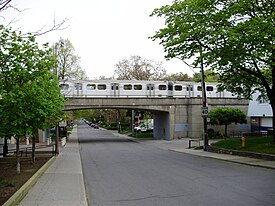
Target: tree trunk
33,149
5,147
18,170
273,119
225,131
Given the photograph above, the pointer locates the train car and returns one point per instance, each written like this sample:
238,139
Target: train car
138,89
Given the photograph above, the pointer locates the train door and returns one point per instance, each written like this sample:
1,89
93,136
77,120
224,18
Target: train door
78,89
190,90
150,92
170,89
115,89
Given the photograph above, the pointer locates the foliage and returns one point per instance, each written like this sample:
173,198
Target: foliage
233,37
177,77
252,144
209,76
29,89
30,97
68,63
225,116
138,68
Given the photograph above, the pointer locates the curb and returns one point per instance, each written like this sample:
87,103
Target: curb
23,191
228,160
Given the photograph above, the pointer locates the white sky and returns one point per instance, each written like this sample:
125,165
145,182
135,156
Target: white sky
103,32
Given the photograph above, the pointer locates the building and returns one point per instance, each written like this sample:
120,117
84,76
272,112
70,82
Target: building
260,113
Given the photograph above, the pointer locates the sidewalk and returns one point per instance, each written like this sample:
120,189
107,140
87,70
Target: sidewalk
181,145
62,183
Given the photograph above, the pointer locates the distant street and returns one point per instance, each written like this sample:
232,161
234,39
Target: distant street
122,172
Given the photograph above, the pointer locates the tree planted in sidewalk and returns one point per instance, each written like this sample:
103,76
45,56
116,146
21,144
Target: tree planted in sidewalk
29,90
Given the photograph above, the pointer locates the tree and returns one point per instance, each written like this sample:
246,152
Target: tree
68,63
177,77
225,116
209,76
8,4
140,69
29,91
233,37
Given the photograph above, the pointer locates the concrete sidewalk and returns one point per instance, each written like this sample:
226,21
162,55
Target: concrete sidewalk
62,183
181,145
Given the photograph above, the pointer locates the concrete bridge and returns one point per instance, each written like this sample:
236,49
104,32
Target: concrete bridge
173,117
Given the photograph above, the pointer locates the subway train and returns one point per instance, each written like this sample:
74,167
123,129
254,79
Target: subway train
139,88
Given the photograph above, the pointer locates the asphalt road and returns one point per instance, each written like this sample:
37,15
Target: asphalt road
122,172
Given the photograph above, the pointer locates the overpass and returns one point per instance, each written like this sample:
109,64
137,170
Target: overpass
173,117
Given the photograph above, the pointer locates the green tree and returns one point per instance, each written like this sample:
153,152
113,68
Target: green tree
233,37
140,69
30,96
68,63
209,76
177,77
226,116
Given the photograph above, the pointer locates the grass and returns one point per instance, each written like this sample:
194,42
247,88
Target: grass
7,183
252,144
141,135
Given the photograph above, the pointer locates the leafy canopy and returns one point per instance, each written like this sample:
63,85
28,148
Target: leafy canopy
30,96
226,116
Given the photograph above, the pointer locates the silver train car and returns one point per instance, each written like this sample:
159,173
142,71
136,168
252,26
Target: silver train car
136,89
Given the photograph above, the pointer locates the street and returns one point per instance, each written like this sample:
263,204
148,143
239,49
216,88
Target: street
119,171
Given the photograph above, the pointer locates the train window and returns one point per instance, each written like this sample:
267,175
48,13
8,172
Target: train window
114,87
91,86
178,88
138,87
101,87
64,86
199,88
150,87
78,86
189,88
209,88
162,87
127,87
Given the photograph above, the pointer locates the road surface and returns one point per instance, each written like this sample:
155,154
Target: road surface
118,171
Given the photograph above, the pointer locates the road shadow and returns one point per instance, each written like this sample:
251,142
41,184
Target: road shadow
105,140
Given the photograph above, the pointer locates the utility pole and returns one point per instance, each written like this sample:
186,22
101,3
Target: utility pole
204,106
56,138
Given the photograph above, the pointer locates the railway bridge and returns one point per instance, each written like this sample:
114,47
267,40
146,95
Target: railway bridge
173,117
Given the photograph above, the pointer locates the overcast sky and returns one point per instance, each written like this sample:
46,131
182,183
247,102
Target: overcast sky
103,32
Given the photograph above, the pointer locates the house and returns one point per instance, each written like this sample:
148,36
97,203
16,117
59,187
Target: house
260,113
